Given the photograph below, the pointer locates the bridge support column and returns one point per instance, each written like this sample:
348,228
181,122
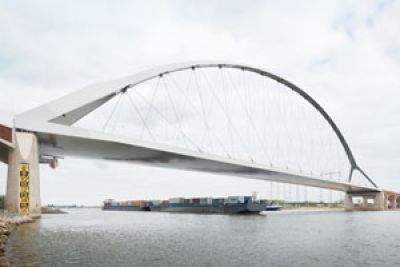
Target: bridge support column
348,202
23,185
372,201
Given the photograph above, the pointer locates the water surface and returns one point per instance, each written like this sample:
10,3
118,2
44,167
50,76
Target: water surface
91,237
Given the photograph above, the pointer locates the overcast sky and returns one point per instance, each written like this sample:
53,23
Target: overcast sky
346,54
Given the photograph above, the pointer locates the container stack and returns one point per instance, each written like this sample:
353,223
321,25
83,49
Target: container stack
229,205
205,201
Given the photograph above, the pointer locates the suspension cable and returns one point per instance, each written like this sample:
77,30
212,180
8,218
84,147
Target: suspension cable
167,120
140,116
206,124
112,113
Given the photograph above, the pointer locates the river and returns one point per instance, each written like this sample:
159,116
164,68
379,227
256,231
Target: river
91,237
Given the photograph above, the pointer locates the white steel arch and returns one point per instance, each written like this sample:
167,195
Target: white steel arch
71,108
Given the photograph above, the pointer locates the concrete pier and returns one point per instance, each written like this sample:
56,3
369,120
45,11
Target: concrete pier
392,200
23,184
371,201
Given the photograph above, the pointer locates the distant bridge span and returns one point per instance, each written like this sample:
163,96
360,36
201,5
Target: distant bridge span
47,132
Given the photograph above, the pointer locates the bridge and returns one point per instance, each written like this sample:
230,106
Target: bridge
216,117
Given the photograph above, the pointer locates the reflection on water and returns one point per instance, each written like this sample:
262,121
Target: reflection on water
91,237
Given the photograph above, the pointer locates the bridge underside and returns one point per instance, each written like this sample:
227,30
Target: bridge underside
6,142
4,149
63,141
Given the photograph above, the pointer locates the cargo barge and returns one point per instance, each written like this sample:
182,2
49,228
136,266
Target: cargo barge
273,208
230,205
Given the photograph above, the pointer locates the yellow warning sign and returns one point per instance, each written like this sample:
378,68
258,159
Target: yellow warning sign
24,188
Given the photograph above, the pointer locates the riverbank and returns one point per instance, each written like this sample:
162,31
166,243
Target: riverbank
48,210
8,223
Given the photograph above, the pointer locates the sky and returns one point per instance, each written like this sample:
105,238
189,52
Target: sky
345,54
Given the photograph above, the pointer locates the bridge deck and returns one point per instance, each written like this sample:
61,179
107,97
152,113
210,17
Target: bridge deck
60,140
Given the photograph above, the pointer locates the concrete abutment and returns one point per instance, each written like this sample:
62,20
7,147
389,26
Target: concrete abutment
368,201
23,183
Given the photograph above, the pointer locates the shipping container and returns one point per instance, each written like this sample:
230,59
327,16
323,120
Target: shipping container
136,203
232,200
205,201
218,201
248,199
156,202
196,201
235,199
176,200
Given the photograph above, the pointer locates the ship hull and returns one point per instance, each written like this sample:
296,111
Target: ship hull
225,209
126,208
